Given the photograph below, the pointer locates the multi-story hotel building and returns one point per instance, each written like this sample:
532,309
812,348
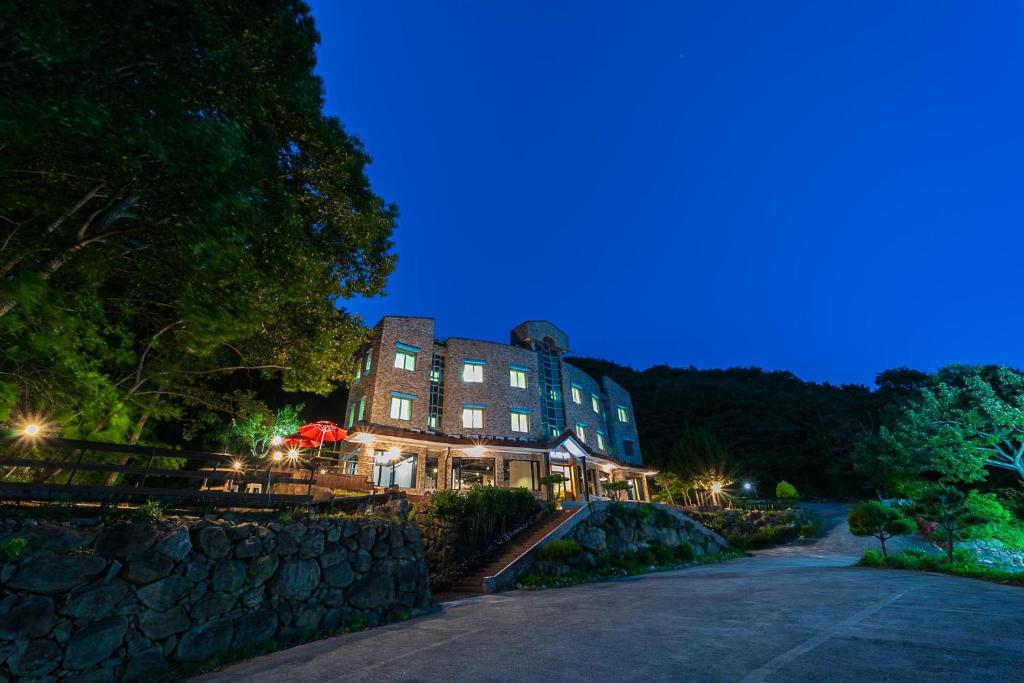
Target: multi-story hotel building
428,414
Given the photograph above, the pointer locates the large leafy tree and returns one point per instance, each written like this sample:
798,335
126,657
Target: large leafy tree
964,420
175,210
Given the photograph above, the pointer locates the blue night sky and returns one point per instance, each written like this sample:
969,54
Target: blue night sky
828,188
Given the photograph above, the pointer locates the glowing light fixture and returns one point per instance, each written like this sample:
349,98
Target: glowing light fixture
276,455
476,451
747,486
716,488
276,441
237,465
31,429
394,452
323,471
363,438
293,453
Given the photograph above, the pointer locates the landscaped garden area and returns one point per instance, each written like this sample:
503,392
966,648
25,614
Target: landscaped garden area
625,540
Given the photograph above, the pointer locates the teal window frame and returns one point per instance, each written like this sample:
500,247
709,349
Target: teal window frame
523,421
404,406
600,438
595,403
475,408
362,409
576,391
405,357
623,413
581,431
515,373
468,364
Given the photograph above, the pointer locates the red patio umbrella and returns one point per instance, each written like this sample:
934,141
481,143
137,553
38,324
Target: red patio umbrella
299,441
322,431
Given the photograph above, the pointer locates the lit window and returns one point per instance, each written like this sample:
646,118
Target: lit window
577,395
366,368
623,414
432,421
435,376
473,417
362,408
581,431
359,373
520,421
401,406
473,371
351,415
405,359
595,403
600,440
517,377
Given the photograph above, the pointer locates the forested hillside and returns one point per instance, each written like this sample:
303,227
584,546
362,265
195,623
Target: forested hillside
758,425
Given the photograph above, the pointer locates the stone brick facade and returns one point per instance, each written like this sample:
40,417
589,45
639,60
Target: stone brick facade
413,443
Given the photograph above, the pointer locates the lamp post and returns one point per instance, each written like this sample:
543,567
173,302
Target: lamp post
274,457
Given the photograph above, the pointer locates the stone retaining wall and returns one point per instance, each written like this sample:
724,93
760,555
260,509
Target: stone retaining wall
133,600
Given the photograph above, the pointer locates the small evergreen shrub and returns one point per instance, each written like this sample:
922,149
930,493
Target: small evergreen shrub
564,549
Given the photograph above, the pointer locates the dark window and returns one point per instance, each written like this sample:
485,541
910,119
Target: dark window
627,448
470,472
430,473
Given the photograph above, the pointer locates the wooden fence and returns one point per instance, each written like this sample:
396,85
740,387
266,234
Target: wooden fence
55,467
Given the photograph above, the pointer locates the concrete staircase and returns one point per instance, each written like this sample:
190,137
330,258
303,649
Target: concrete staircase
480,580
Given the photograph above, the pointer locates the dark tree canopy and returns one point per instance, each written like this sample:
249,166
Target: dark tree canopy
771,425
175,210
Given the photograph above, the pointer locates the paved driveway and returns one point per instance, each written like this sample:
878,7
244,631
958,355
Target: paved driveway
799,613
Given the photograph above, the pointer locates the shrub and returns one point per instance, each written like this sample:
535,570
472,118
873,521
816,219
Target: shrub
786,491
564,549
684,552
152,511
445,504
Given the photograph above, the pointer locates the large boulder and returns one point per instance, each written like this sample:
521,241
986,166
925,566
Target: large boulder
339,575
125,540
592,538
297,579
212,605
37,658
163,594
249,548
146,664
50,575
213,542
205,641
372,591
160,625
94,643
255,628
94,601
176,545
147,567
24,617
228,576
261,569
